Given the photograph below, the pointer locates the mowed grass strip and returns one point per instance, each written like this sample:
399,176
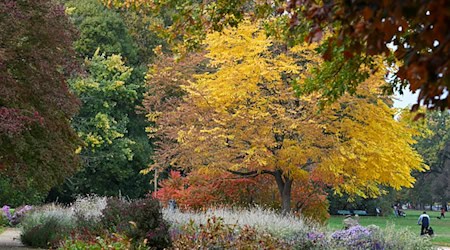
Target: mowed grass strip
441,227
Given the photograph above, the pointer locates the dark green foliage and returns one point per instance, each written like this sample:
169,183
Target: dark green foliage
139,219
110,168
146,40
114,214
4,222
10,195
116,147
100,28
433,185
332,79
47,234
112,31
384,202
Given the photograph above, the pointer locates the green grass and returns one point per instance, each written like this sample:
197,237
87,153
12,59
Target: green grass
2,229
441,227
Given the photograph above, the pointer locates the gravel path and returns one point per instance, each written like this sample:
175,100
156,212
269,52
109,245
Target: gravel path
10,239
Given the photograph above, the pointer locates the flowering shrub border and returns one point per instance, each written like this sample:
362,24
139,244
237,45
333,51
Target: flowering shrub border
18,214
217,227
288,231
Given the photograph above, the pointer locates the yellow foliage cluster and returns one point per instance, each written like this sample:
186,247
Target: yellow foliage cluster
244,115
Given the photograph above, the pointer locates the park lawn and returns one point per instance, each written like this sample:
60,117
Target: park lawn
441,227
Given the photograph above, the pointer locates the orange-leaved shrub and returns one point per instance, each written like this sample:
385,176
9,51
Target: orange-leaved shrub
201,190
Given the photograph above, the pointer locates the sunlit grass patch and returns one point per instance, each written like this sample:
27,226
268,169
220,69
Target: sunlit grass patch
441,227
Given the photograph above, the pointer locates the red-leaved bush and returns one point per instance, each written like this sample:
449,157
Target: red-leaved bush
201,190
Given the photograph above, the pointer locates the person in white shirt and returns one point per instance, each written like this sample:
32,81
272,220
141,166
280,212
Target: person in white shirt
424,220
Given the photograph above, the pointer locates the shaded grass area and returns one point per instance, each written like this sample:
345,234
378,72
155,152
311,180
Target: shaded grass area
2,229
441,227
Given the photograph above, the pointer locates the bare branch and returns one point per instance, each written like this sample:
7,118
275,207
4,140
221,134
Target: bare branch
253,173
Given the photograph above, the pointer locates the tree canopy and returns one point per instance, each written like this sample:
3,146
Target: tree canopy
100,28
434,146
36,57
114,151
242,117
292,98
356,32
116,46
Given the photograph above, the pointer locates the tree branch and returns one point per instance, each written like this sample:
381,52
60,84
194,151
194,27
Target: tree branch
309,163
253,173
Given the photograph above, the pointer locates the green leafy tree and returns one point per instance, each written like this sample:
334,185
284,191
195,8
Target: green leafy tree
113,32
37,143
146,40
434,146
101,28
111,142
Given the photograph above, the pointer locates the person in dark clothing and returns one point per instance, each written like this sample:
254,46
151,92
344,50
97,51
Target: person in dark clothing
424,220
442,213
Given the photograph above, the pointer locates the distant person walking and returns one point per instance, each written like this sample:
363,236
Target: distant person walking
442,213
424,220
378,210
395,210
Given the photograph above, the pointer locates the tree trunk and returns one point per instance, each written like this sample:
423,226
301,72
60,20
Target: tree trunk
286,199
285,188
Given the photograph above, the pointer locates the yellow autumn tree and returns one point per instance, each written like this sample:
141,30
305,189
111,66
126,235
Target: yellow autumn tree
243,117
